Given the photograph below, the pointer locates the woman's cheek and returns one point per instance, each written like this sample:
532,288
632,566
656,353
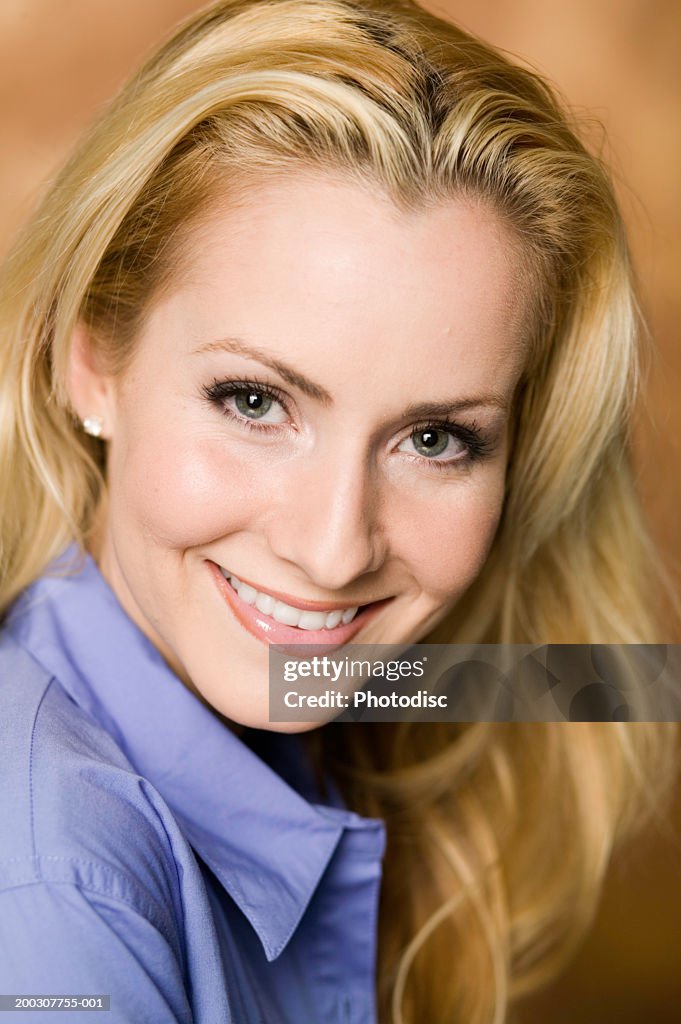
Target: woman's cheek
187,494
447,539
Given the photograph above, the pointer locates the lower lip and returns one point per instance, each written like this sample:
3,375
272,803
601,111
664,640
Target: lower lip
269,631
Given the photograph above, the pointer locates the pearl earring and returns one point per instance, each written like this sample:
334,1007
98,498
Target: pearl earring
92,425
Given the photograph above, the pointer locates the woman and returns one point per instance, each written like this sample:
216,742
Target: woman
325,333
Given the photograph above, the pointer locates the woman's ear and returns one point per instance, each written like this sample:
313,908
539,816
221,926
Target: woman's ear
91,391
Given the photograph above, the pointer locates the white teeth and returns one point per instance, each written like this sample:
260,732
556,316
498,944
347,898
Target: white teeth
312,620
286,613
265,604
247,594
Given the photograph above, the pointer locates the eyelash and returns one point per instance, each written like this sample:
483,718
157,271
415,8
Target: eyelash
477,445
219,391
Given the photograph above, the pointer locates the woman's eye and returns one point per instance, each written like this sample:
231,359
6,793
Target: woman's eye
247,402
432,442
253,404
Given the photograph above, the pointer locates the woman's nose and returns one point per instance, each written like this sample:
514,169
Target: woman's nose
327,522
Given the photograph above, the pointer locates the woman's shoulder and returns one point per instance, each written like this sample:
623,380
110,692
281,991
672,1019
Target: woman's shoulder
74,809
89,897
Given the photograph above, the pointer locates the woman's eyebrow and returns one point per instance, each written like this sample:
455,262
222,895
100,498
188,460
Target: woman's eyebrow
424,410
239,347
416,411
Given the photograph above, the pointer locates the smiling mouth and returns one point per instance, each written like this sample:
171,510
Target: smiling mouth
274,621
289,614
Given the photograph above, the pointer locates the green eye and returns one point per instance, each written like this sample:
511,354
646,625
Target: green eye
252,404
430,442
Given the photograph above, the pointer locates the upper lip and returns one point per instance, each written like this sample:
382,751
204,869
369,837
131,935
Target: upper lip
297,602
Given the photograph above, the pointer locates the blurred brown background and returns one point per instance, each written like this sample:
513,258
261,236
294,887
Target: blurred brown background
618,64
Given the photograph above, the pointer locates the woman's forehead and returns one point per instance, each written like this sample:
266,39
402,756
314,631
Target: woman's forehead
333,263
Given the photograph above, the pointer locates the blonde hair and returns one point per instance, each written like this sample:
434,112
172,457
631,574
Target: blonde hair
498,835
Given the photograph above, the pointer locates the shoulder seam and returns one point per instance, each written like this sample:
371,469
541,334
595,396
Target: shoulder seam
34,848
112,883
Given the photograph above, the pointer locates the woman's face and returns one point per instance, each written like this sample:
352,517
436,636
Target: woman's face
315,420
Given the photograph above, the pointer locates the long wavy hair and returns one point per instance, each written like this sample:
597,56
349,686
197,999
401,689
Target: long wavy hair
498,834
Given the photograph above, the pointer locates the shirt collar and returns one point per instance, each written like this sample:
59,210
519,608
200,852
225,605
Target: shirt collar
269,852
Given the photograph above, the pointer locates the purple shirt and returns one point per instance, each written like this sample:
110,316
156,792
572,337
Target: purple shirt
147,853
